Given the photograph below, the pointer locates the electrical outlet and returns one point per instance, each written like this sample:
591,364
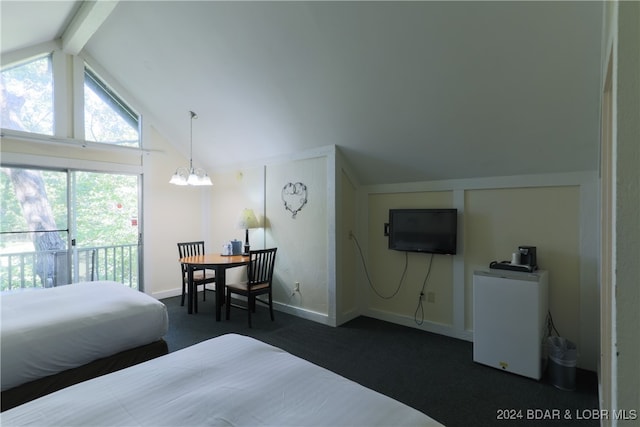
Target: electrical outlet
431,297
296,287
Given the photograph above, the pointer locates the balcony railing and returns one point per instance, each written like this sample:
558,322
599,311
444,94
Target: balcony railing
50,268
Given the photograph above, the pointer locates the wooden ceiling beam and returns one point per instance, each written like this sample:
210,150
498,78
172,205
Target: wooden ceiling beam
85,23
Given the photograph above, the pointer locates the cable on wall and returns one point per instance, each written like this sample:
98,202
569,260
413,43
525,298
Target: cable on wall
366,270
550,325
420,306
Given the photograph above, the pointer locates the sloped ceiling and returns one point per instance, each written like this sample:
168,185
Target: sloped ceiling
409,91
27,23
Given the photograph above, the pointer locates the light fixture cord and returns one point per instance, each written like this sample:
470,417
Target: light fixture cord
193,115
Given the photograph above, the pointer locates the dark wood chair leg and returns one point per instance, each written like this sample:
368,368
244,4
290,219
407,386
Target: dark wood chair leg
271,306
228,303
195,298
183,292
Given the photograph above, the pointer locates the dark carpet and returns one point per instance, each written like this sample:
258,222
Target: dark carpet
432,373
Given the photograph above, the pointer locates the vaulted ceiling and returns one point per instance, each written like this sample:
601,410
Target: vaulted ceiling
409,91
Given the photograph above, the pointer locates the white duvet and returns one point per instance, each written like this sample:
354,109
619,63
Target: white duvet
47,331
231,380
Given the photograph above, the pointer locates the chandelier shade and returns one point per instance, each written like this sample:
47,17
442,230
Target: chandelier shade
190,175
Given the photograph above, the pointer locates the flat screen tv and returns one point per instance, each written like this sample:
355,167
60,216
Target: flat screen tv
423,230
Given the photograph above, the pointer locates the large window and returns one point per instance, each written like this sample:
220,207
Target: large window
27,96
107,118
59,225
62,226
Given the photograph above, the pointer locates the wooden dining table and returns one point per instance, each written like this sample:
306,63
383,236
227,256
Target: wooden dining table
217,262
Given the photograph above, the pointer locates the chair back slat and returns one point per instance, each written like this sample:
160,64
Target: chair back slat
191,248
260,268
186,249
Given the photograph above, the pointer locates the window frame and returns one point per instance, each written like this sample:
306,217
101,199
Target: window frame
28,60
68,97
113,99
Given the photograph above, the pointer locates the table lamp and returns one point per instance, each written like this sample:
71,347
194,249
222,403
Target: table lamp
247,220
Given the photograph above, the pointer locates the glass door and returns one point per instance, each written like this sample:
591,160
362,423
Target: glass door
61,227
34,228
105,226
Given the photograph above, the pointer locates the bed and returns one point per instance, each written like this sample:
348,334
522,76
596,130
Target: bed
55,337
229,380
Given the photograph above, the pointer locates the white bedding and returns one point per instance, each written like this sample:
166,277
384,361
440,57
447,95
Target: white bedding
47,331
231,380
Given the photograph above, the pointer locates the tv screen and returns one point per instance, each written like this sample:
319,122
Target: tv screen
423,230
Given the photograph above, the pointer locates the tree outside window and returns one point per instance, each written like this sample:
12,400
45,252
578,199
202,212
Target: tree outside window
27,97
107,118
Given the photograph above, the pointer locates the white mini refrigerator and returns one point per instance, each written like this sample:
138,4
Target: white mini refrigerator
510,320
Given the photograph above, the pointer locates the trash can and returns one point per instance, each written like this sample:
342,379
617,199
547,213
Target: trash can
563,356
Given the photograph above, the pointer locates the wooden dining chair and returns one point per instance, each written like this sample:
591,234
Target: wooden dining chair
201,277
259,282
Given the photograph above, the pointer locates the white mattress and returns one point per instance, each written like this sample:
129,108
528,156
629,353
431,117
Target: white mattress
47,331
231,380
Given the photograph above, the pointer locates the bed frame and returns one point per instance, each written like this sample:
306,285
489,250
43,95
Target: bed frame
32,390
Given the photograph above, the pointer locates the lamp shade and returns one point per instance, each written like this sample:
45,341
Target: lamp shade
248,220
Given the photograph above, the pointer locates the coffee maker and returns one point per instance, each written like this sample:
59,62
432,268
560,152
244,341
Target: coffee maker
528,256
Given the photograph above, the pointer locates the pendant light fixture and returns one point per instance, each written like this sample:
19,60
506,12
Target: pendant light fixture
190,176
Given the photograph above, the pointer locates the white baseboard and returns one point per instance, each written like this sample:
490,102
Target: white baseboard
303,313
172,293
167,294
436,328
278,306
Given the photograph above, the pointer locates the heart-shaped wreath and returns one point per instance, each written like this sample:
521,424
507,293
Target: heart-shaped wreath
294,197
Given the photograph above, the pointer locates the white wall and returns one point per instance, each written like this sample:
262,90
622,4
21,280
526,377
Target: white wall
172,214
348,297
303,242
232,192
